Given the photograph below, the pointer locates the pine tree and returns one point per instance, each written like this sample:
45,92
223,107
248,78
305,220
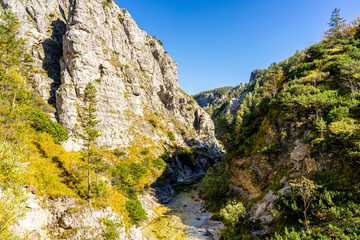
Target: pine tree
90,132
15,62
320,125
350,73
272,78
335,23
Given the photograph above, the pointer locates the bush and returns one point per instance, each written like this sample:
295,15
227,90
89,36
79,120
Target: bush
159,163
11,183
135,210
153,123
42,122
171,136
106,3
137,171
232,213
338,113
119,153
111,229
145,151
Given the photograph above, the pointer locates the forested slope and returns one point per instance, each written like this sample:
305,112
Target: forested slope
293,164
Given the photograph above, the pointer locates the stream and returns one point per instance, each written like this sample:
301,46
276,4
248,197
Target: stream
184,217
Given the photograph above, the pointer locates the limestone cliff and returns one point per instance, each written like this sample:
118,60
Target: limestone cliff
76,42
140,103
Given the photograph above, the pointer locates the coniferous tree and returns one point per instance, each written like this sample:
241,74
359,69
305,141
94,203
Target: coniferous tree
90,132
15,62
272,77
335,23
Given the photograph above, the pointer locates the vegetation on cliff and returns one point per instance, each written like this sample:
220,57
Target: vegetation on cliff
310,102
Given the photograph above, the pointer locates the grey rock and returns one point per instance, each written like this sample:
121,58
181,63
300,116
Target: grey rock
76,42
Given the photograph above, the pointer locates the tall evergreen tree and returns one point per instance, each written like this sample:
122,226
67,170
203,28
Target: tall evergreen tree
335,23
90,132
15,62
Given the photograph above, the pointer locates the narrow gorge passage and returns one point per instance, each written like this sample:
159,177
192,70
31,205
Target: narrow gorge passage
184,217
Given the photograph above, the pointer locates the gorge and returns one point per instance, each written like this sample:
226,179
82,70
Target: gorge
275,158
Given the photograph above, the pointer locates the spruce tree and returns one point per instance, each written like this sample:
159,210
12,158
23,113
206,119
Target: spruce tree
15,62
90,132
335,23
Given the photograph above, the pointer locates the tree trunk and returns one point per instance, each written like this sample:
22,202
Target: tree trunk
89,183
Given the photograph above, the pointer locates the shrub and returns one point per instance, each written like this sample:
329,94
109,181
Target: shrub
137,171
145,151
111,229
232,213
153,122
11,182
106,3
338,113
119,153
135,210
42,122
171,136
51,15
159,163
120,18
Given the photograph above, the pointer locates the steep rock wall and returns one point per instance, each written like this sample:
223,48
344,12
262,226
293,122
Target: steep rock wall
76,42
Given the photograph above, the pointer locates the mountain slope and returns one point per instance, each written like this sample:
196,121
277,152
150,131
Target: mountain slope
151,132
293,147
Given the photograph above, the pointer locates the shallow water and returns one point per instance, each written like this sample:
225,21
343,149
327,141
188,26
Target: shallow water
184,217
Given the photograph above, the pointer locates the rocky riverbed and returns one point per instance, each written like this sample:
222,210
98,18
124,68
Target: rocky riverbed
184,217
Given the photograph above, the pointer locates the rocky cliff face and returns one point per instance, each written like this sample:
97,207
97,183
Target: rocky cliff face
76,42
140,103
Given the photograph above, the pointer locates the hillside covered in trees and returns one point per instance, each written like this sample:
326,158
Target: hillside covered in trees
293,164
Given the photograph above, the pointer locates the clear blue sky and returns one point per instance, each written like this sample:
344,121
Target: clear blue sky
219,43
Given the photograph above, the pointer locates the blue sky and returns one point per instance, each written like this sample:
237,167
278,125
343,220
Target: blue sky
219,43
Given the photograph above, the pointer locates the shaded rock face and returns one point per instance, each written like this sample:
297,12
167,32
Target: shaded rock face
184,169
77,42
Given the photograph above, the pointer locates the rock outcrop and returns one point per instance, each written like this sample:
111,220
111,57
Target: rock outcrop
140,103
66,218
77,42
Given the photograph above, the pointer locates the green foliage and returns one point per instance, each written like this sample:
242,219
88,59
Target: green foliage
312,97
145,151
215,187
338,113
11,182
120,17
112,228
345,127
135,210
171,136
292,235
119,153
106,3
153,123
42,122
159,163
232,213
335,22
320,126
90,132
127,177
